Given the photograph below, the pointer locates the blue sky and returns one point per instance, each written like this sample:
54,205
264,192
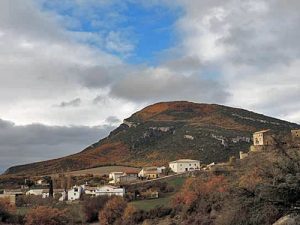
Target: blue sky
79,67
146,29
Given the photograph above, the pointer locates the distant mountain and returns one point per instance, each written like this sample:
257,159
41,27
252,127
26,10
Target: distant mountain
167,131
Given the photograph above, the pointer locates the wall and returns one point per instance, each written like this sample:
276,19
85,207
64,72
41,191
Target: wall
295,133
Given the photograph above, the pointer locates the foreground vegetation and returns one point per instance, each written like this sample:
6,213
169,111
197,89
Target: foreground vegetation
257,190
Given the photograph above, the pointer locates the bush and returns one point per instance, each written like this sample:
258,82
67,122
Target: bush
112,211
6,210
46,215
92,206
33,200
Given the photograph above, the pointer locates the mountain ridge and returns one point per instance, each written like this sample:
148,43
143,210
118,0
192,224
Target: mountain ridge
166,131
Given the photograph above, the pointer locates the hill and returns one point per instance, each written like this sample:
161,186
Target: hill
167,131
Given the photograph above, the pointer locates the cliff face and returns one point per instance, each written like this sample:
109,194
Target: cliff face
167,131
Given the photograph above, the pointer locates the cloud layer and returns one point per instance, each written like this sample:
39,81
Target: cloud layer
36,142
72,77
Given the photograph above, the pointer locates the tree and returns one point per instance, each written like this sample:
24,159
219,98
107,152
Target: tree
6,209
251,179
50,184
92,206
46,215
128,212
112,211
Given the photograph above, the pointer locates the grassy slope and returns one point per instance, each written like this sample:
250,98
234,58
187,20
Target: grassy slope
139,145
164,200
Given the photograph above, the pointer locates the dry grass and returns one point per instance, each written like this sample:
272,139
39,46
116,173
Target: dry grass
99,171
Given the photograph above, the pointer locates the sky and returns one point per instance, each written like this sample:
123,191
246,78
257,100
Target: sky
72,70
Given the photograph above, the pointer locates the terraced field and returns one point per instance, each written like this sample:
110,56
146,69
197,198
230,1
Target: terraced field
103,170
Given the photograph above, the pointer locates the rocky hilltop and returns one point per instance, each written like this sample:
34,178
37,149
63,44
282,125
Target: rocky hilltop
167,131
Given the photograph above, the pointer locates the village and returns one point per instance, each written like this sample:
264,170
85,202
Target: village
127,183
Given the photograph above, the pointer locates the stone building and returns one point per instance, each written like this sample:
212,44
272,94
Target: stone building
295,134
243,155
263,138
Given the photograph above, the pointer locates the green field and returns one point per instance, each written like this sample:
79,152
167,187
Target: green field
164,200
176,182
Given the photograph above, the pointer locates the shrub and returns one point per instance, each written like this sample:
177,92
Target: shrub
92,206
112,211
33,200
6,210
46,215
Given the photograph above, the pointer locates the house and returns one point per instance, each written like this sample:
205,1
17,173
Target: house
109,190
210,166
161,169
128,177
90,190
295,134
114,177
75,193
184,165
149,173
13,192
39,191
262,138
42,182
11,195
56,192
243,155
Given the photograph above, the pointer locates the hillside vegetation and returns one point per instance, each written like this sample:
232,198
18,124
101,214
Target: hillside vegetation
167,131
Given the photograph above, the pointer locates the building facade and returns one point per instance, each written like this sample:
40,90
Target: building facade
110,191
149,173
295,133
75,193
184,165
261,138
114,177
128,178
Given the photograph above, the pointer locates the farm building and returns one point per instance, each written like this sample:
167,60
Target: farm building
110,191
128,177
120,177
114,177
184,165
149,173
75,193
295,133
261,138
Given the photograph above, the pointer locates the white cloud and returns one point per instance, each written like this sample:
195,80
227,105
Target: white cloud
242,53
41,65
254,47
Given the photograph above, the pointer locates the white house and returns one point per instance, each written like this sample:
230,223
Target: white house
39,191
114,177
184,165
90,191
41,182
161,169
75,193
110,191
